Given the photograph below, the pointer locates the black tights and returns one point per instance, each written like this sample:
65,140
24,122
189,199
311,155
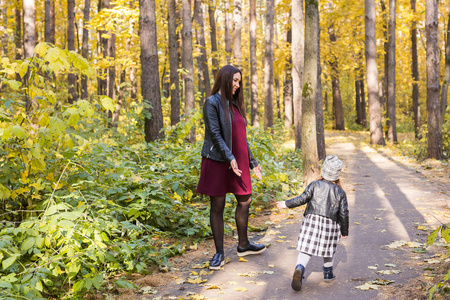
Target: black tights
241,217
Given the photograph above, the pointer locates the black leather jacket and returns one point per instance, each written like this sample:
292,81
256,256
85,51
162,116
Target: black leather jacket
325,199
217,144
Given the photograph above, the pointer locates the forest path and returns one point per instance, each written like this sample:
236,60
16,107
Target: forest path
387,202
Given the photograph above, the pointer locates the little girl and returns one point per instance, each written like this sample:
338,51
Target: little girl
326,219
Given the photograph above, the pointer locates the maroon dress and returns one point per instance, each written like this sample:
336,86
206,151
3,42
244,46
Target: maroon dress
217,178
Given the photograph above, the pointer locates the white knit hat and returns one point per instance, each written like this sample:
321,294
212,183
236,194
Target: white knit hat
331,168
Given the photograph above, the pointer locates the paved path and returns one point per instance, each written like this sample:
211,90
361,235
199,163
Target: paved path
387,202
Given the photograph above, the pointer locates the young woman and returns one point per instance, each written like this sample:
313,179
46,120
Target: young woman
227,160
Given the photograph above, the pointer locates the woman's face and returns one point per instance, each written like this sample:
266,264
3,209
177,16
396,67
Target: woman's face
236,80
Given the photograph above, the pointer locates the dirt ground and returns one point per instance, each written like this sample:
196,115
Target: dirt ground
437,172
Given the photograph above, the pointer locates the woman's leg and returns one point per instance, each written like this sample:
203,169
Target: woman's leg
216,221
241,216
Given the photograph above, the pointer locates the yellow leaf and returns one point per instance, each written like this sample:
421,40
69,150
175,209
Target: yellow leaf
422,227
242,259
49,177
41,49
281,237
213,287
196,280
193,273
241,289
203,272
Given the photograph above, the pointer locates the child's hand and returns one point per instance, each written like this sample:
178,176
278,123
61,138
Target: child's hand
281,204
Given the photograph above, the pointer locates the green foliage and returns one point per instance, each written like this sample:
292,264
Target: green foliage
440,287
446,134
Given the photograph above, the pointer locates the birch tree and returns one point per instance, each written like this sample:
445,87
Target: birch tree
297,49
268,65
174,64
391,69
253,66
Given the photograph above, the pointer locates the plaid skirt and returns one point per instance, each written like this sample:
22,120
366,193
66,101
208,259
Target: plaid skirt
319,236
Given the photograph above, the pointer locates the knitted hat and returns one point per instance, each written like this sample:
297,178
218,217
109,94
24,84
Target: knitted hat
331,168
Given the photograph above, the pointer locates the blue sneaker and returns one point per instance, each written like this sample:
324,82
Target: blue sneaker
298,277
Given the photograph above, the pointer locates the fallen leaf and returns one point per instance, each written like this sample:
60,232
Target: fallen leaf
203,272
414,245
357,223
280,241
148,290
281,237
193,273
241,289
205,265
213,287
273,232
373,267
389,272
396,244
232,283
432,261
242,259
271,266
261,283
422,227
197,297
390,265
196,280
269,272
381,281
180,281
367,286
378,218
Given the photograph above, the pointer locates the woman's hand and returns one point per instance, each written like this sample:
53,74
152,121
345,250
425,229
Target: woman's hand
281,204
344,236
234,166
257,171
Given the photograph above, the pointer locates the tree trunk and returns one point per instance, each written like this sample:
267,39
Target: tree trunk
391,121
320,130
433,101
376,130
297,50
212,25
309,136
174,64
384,80
237,20
447,74
227,32
188,64
133,80
360,103
268,65
287,90
29,40
85,46
363,102
150,71
337,101
18,35
71,78
111,78
203,59
415,76
47,30
253,65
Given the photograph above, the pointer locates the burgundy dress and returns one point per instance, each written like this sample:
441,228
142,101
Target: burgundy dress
217,178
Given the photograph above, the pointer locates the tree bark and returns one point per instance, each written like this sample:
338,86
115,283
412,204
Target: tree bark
29,27
287,85
433,88
18,35
111,79
384,80
310,155
446,75
188,63
391,91
253,65
415,76
237,20
47,30
203,59
337,100
212,25
133,80
227,32
174,64
4,26
320,130
85,46
150,71
71,78
268,65
376,131
297,49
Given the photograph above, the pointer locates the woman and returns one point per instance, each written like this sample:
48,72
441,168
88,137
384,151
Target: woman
226,161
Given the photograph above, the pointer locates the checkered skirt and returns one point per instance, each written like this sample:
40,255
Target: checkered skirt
319,236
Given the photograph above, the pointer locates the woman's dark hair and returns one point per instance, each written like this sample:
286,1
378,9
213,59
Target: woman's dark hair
224,84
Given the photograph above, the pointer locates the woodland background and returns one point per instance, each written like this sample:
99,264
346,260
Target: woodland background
101,121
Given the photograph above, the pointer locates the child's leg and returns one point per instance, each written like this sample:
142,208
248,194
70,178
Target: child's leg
328,262
303,259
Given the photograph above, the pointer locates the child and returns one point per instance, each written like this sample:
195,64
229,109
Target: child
326,218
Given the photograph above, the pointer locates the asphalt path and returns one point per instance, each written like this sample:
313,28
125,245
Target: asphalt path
387,201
